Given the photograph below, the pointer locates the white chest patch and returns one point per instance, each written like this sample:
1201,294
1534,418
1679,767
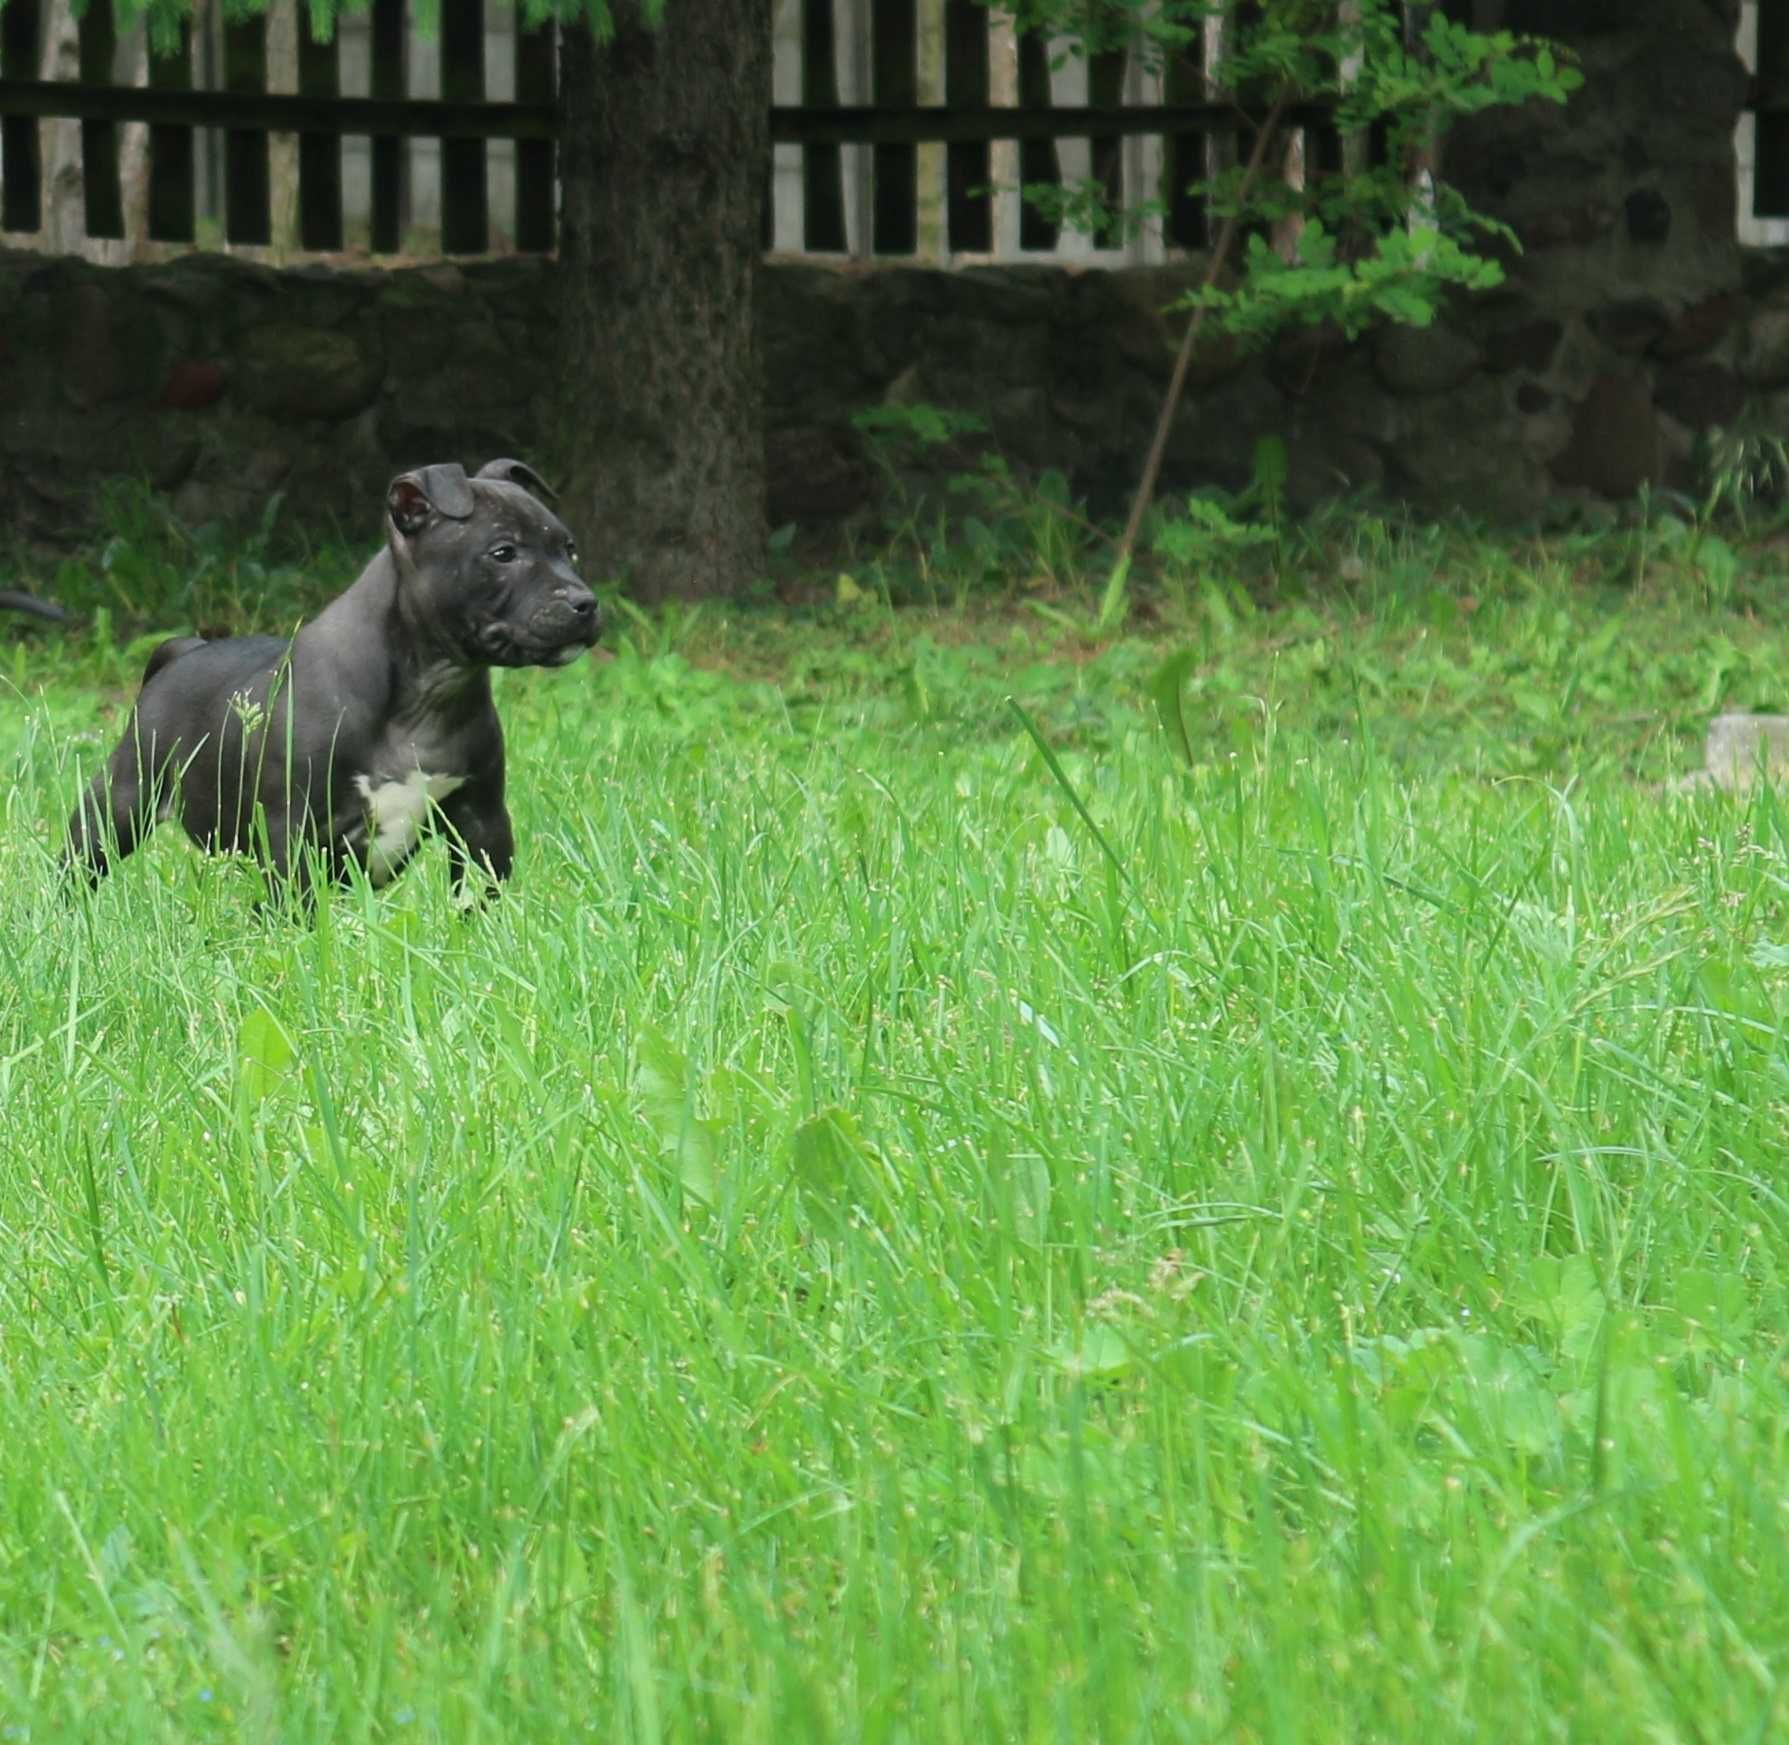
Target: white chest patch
395,812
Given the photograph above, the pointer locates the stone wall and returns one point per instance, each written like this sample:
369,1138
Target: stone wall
1630,321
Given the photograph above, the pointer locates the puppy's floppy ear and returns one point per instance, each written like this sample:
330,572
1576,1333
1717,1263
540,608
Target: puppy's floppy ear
519,472
438,490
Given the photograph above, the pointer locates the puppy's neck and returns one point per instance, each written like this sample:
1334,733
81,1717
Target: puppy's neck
427,685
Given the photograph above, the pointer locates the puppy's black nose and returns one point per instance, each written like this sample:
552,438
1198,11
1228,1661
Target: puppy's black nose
581,603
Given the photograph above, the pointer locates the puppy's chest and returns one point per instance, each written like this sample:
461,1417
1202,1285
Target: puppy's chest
395,811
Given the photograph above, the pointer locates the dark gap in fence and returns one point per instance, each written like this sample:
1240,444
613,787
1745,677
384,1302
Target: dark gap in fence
1183,155
1324,154
389,159
1037,157
208,142
1331,155
895,82
171,148
1770,175
822,166
1377,144
319,154
248,203
465,191
969,210
537,80
1105,87
21,192
1227,151
102,190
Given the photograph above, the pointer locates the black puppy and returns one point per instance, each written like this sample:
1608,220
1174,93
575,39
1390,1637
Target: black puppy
376,718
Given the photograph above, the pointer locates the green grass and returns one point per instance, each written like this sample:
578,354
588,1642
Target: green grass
834,1254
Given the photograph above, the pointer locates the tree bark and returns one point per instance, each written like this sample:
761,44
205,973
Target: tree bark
666,136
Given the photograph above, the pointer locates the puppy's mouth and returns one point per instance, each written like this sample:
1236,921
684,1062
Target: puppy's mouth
500,645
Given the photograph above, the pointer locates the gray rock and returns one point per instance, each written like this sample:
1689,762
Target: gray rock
1464,450
110,345
1764,347
1631,326
289,371
1700,394
1739,746
1525,345
1615,446
1424,360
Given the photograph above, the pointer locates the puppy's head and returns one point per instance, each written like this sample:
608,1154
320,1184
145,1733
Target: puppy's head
488,567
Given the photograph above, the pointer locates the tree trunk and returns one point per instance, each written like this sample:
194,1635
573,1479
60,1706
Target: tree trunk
661,420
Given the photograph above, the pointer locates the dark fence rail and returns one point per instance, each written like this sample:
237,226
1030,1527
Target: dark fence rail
265,112
414,117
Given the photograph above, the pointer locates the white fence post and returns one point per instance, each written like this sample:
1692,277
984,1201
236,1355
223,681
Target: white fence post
932,162
1145,156
1003,154
1074,157
788,192
851,51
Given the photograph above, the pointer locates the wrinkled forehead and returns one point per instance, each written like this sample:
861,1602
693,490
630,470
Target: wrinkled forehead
508,510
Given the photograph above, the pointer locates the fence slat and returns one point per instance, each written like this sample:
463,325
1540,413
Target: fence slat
1003,154
465,195
319,154
1145,156
21,193
171,148
390,160
1770,175
1105,151
1068,80
248,216
537,81
930,166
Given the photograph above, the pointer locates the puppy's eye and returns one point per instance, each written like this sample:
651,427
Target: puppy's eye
571,552
503,554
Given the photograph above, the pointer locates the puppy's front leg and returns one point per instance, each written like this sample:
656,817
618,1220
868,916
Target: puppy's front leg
117,810
480,842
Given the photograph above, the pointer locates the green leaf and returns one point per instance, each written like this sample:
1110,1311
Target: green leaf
264,1056
667,1100
1566,1297
1272,468
1166,685
1712,1301
834,1168
1100,1352
1115,601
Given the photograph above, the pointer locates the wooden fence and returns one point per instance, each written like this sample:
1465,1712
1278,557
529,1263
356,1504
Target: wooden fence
901,128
